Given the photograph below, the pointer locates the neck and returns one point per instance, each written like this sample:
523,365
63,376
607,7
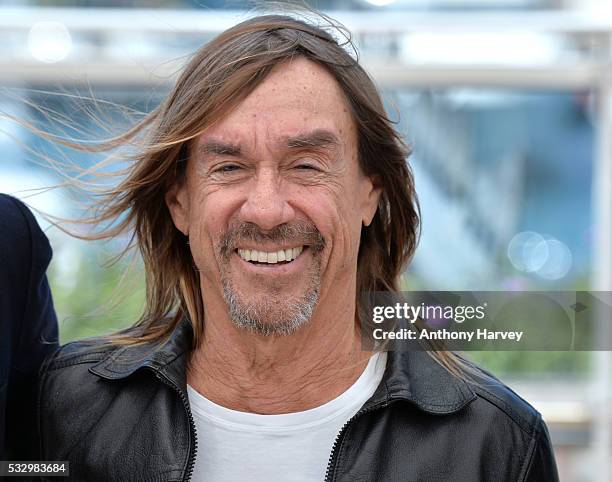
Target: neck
277,374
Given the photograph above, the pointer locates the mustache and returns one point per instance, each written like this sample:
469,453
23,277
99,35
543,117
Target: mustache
300,232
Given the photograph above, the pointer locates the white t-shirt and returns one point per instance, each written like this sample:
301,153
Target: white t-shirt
239,446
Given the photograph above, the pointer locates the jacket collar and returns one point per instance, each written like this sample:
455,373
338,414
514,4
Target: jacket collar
413,376
169,357
416,377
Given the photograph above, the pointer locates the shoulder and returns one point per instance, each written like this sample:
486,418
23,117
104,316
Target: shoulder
502,422
13,207
98,359
15,225
81,354
100,418
22,241
484,405
456,385
496,398
65,376
507,420
17,220
65,381
85,371
67,392
462,397
72,399
27,315
479,426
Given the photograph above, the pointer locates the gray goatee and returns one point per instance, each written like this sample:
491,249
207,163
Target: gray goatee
272,315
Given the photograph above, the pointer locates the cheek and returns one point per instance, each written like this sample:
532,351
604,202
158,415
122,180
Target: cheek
336,216
207,219
200,242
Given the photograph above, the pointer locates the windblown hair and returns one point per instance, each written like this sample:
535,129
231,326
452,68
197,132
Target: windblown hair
218,77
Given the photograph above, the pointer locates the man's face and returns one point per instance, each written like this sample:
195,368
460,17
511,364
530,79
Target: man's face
274,200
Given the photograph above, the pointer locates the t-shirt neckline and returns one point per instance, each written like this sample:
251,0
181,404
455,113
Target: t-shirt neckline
367,382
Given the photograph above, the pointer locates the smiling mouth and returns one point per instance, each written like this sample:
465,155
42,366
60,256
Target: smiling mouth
277,257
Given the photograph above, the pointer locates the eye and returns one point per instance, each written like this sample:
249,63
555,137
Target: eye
306,167
227,168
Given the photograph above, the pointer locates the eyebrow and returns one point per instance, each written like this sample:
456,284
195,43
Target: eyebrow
319,138
220,148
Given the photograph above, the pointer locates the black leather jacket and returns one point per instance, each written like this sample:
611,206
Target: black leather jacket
122,414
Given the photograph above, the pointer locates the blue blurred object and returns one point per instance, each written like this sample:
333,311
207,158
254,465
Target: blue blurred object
28,326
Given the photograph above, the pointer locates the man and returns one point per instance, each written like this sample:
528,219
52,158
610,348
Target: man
270,191
28,326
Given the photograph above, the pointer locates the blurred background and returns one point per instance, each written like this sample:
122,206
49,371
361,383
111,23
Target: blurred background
507,105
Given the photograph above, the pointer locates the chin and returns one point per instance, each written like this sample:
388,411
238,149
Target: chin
270,315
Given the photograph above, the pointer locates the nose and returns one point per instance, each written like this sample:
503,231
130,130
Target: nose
266,205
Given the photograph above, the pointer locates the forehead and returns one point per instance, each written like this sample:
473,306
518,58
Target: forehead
297,96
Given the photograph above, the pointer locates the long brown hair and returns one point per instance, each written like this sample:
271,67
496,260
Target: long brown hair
221,74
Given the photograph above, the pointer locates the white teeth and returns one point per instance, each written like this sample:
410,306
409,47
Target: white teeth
244,254
270,257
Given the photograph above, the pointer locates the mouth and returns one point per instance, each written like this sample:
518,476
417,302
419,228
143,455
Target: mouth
277,257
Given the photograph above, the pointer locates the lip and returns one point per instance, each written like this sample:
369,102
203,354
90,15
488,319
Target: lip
284,269
272,249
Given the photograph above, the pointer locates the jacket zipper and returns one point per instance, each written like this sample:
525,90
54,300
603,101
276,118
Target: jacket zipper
193,448
332,462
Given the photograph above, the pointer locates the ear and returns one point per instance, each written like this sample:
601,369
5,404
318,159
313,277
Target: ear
370,195
177,201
